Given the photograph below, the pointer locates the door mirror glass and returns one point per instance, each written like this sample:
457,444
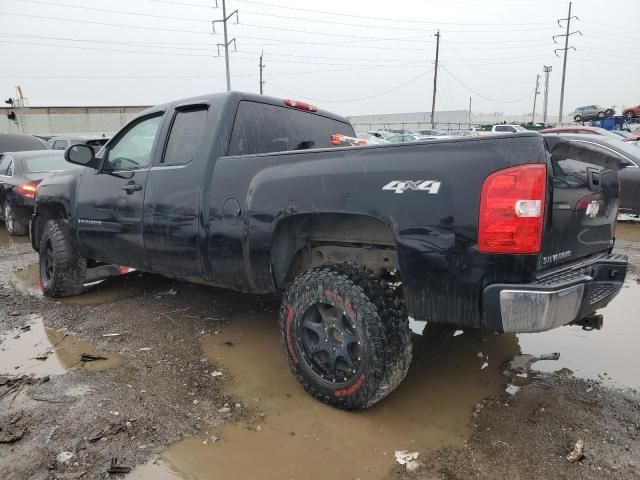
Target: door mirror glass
79,154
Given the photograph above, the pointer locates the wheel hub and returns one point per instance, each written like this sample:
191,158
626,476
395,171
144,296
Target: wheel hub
330,343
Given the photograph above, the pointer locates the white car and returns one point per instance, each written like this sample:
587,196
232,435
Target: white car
508,128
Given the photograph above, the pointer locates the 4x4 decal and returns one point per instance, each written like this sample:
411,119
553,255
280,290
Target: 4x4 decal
401,186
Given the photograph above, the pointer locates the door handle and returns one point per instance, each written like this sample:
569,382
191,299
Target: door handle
132,187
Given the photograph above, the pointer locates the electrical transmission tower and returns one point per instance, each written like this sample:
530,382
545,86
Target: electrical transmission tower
535,99
565,50
261,67
225,18
545,103
435,81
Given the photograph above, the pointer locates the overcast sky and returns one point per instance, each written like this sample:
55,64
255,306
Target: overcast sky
356,57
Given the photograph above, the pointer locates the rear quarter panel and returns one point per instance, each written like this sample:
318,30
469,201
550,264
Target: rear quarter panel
442,272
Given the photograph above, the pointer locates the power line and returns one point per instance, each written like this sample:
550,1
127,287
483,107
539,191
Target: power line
227,42
481,95
119,12
342,14
565,50
435,80
353,99
90,22
547,69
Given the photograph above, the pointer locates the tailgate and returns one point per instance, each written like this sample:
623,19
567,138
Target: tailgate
582,211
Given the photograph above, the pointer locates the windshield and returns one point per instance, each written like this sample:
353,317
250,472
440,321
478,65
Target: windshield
46,163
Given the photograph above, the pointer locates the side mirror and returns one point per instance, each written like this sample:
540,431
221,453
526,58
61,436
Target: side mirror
81,155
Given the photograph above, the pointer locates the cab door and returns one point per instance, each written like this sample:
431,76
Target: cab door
110,201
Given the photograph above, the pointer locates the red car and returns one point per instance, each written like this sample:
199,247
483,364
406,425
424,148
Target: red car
631,112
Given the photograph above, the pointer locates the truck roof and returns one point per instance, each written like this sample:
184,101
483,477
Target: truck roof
236,97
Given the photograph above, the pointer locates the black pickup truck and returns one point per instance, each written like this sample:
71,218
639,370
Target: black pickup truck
508,233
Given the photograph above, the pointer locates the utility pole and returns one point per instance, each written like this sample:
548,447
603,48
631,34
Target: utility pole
435,81
469,119
566,50
261,67
545,103
225,18
535,98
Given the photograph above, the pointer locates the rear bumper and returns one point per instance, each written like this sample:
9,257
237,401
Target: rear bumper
555,299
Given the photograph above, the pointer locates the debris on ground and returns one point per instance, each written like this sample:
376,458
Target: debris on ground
90,357
458,332
64,457
224,410
577,453
408,459
217,374
171,292
11,437
112,334
115,469
522,363
512,389
228,344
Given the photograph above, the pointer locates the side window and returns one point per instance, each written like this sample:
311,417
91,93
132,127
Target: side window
500,129
4,163
187,132
264,128
60,145
133,150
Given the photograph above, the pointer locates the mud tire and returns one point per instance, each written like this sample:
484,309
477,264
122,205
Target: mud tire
62,269
15,225
381,322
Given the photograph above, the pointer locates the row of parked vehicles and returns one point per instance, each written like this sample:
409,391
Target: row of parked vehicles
25,160
505,233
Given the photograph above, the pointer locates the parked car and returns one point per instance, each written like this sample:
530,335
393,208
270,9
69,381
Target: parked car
405,137
384,134
631,112
372,139
431,132
634,136
62,143
629,157
578,130
260,205
503,128
592,112
463,133
18,142
20,174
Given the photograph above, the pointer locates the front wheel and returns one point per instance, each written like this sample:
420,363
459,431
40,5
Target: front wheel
62,269
14,224
629,115
577,118
346,335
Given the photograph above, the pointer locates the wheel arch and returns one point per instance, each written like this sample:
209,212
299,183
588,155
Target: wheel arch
304,241
44,213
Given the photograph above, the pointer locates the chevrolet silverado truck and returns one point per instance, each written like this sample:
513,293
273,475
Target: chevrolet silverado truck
507,233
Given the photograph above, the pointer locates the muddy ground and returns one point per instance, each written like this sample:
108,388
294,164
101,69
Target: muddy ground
194,386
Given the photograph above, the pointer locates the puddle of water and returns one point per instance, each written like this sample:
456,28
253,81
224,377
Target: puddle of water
612,350
303,438
27,281
62,352
7,240
628,231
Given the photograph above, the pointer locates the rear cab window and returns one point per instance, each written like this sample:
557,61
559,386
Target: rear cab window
266,128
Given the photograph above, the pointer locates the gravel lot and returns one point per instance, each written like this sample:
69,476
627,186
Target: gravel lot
195,386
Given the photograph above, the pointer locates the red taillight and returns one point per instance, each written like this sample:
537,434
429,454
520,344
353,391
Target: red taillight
27,190
300,105
512,210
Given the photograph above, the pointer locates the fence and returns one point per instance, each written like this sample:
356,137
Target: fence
412,126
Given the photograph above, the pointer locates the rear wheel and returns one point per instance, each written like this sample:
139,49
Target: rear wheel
577,118
629,115
346,335
62,269
601,114
14,224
